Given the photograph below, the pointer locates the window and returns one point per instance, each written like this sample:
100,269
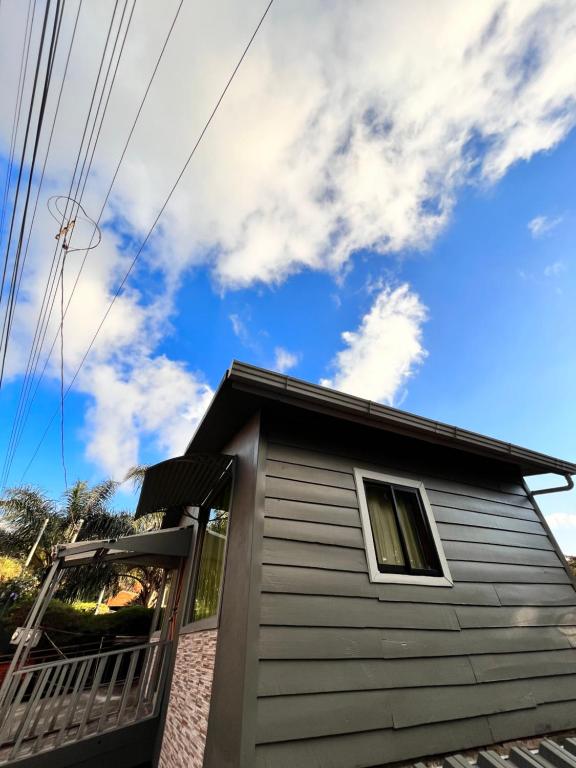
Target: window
210,557
400,534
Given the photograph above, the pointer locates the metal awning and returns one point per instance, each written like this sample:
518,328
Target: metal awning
182,481
158,548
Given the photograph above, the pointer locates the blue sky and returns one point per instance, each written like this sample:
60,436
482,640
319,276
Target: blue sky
449,263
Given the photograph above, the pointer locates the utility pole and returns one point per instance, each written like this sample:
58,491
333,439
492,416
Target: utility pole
35,545
77,527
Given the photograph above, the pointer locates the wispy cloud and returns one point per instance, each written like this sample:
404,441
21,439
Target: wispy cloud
562,520
554,269
385,350
329,141
540,225
285,360
239,328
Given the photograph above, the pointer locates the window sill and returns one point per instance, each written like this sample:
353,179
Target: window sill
200,626
405,578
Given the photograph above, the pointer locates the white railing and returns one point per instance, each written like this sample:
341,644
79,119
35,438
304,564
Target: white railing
57,703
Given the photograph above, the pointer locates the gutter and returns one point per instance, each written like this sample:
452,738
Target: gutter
557,488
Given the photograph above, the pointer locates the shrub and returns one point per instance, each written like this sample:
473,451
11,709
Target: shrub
132,620
68,625
90,607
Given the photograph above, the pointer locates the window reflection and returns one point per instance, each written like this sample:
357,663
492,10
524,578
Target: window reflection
211,565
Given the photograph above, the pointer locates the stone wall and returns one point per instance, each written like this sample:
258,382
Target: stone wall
187,717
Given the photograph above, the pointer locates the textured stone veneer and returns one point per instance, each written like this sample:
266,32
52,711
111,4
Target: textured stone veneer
187,717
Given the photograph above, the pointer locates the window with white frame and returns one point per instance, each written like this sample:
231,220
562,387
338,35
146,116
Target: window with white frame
401,537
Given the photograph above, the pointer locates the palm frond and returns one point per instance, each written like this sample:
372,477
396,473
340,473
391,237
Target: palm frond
136,475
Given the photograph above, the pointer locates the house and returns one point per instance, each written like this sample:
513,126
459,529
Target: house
351,586
388,589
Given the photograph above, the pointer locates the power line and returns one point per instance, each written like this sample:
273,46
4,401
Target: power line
41,181
51,286
15,125
153,226
7,324
54,271
56,112
15,437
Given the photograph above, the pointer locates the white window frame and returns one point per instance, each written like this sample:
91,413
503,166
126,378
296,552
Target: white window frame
398,578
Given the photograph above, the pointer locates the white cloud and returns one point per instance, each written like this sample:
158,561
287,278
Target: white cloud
285,360
351,125
239,327
539,225
155,397
554,269
561,520
385,350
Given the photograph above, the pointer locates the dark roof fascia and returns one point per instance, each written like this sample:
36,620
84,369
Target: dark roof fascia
269,385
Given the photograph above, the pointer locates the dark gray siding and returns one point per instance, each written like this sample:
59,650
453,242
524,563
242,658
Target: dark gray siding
355,674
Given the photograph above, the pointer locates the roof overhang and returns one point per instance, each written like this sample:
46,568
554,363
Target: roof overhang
162,549
246,386
185,481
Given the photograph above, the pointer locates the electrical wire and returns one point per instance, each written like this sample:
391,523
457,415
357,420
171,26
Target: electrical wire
56,112
51,288
152,227
25,411
62,449
4,335
41,181
7,324
67,251
15,125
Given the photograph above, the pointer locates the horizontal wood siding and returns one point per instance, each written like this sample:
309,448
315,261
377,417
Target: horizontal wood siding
354,673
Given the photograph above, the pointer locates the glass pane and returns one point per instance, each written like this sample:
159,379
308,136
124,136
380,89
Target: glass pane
211,568
384,526
417,538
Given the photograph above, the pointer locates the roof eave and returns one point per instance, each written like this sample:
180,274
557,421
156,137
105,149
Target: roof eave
282,387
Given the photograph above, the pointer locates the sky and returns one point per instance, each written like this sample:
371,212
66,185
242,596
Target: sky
383,203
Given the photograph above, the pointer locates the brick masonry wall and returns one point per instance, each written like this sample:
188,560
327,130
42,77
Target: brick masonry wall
187,717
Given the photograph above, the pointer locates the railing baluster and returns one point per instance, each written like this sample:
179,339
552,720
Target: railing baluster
69,677
144,679
76,691
127,687
90,703
50,685
29,711
51,704
8,722
9,693
111,686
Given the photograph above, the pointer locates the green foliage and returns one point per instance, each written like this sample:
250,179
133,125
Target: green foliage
135,475
68,625
10,568
24,511
89,607
132,620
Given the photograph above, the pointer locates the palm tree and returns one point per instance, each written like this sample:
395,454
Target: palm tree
136,475
84,512
25,509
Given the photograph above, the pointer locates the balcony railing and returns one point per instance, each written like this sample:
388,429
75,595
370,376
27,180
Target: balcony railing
57,703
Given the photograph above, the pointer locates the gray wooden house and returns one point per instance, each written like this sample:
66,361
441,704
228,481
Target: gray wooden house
353,586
